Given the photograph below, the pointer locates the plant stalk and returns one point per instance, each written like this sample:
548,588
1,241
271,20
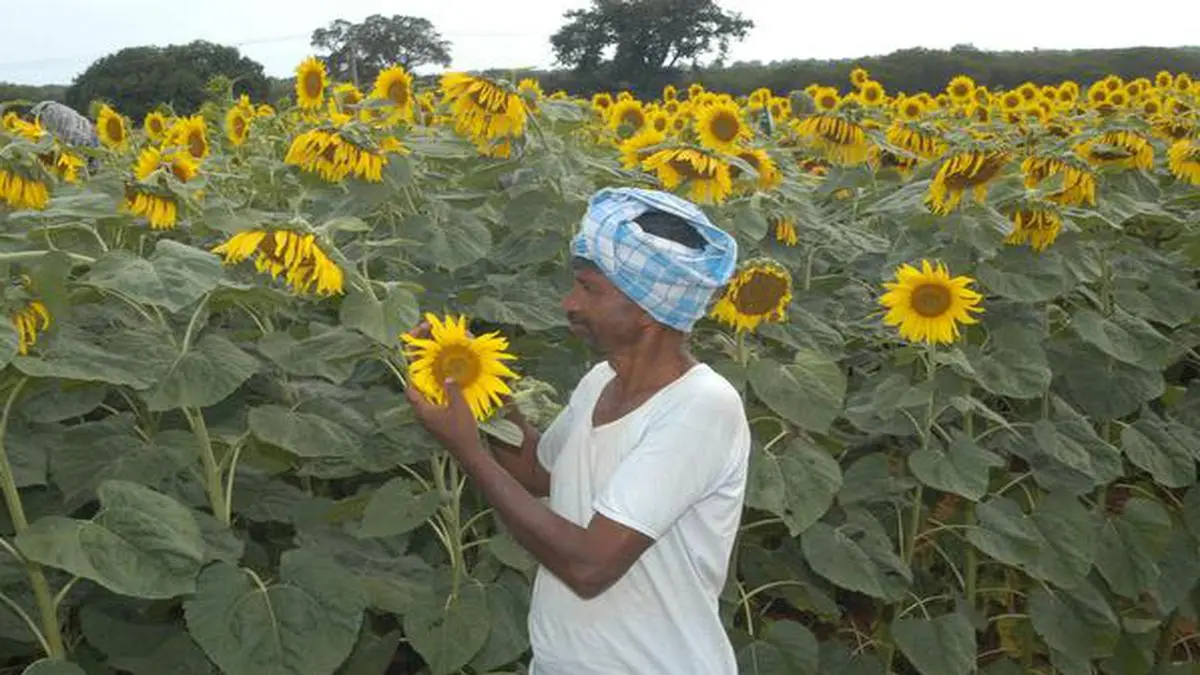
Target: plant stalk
212,473
51,630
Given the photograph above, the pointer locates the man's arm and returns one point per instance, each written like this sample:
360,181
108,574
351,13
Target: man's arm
522,462
588,560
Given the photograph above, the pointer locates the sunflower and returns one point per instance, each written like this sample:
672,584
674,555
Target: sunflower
634,148
483,109
476,364
827,99
331,156
760,291
22,192
859,76
708,176
110,127
180,164
971,170
161,212
758,159
1183,158
840,140
1038,226
295,255
237,125
927,305
871,93
1078,184
1119,149
190,133
1163,79
627,117
785,231
29,321
961,89
394,85
347,95
915,139
311,80
910,108
721,127
155,126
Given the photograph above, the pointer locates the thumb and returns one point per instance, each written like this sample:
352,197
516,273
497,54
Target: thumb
453,390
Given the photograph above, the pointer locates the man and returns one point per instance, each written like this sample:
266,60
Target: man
645,468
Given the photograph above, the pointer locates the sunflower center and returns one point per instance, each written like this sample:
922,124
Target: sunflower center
931,300
239,126
724,127
312,84
196,144
457,362
760,294
398,93
116,130
156,126
959,90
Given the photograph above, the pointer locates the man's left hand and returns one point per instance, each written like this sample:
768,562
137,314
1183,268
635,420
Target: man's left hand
453,424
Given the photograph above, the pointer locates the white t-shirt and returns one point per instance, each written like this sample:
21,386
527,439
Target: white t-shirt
674,469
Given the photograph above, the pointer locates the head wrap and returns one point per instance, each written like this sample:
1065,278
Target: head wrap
669,280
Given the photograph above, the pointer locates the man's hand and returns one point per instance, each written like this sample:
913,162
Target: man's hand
453,424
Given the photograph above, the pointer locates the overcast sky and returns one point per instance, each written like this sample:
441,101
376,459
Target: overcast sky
51,41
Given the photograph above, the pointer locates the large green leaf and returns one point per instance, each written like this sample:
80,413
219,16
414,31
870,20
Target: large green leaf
448,631
10,342
1078,622
1014,364
303,434
1164,448
398,506
856,555
329,353
961,469
797,485
136,358
141,543
305,622
454,240
89,453
1056,543
508,610
941,646
1103,387
1130,546
809,391
381,320
174,276
1014,275
1123,337
208,373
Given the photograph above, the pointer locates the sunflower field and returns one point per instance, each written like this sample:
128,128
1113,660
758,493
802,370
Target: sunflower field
965,326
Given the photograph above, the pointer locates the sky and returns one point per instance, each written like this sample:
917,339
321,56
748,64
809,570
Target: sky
52,41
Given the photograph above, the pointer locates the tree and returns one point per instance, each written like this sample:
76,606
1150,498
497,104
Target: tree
647,37
358,51
136,79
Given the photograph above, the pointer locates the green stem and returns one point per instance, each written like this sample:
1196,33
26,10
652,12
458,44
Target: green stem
52,632
972,571
212,474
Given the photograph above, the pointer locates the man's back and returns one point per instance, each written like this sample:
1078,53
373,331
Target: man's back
674,469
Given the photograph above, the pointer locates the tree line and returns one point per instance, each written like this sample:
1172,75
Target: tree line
638,46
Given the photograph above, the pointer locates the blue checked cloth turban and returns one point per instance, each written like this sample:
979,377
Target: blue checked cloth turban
672,282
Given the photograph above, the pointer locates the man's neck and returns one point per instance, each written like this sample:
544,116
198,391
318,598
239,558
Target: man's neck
650,365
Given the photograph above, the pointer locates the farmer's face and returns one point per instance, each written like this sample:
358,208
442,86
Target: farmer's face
600,314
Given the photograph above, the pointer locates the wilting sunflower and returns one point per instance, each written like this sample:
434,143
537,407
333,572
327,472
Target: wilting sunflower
111,128
768,173
840,140
295,255
22,192
707,175
1183,158
916,139
785,231
333,157
927,305
720,127
482,109
1078,184
158,206
394,85
1118,149
971,170
1038,226
29,321
311,80
476,364
237,125
760,291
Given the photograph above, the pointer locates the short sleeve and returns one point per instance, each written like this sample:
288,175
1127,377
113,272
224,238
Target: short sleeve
684,456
